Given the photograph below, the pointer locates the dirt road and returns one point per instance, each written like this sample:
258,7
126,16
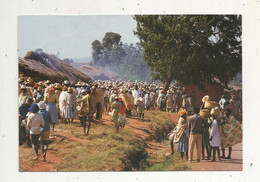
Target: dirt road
234,164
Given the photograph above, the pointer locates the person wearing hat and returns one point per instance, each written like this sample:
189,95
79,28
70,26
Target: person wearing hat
45,134
23,96
214,138
136,93
35,121
86,109
147,99
51,99
112,98
115,110
99,98
161,102
35,90
62,103
140,108
48,82
70,107
181,134
195,129
169,101
39,95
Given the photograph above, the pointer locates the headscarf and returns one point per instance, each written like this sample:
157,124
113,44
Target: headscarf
50,90
182,112
34,108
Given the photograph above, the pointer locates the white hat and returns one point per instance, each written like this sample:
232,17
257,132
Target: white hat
42,105
23,87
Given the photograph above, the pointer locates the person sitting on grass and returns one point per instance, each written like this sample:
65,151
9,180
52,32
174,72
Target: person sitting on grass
35,121
45,134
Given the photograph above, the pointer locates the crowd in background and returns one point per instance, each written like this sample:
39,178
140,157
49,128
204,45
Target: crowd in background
44,104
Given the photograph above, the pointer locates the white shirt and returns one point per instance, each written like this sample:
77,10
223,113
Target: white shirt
35,120
136,95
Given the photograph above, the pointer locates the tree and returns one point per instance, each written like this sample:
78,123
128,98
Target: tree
110,39
191,49
97,51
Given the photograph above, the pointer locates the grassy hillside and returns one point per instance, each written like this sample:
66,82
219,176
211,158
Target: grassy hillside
140,146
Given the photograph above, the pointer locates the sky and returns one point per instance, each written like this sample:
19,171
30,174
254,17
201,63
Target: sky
71,36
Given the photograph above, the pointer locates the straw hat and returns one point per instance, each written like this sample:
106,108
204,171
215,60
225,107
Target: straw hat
215,111
42,105
64,88
70,90
20,80
66,82
39,88
48,82
58,86
205,98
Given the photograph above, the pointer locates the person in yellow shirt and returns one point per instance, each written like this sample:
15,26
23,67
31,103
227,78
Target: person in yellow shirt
86,109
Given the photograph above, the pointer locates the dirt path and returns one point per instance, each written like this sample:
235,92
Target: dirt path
234,164
51,158
141,130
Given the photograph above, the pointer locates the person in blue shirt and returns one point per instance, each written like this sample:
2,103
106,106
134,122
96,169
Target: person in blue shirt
45,133
23,131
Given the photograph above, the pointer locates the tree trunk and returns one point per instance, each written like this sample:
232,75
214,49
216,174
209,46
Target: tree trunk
167,83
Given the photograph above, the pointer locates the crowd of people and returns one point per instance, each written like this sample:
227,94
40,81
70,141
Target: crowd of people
44,104
209,129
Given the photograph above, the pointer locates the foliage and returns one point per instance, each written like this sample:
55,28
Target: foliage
126,60
191,49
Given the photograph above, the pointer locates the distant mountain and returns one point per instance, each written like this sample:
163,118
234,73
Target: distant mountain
82,60
43,66
96,73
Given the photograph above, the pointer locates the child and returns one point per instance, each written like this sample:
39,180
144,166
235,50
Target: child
214,134
35,121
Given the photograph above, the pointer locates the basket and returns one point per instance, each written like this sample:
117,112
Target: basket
215,111
210,104
205,113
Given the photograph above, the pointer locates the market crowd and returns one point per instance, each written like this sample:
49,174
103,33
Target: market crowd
44,104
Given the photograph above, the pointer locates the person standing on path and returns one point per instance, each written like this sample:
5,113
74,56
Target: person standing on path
87,109
45,134
51,99
181,134
214,133
35,121
69,111
231,133
195,129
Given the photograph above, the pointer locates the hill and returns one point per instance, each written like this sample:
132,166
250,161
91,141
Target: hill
95,72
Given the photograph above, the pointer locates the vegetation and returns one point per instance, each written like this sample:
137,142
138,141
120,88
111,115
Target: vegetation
125,60
191,49
106,150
